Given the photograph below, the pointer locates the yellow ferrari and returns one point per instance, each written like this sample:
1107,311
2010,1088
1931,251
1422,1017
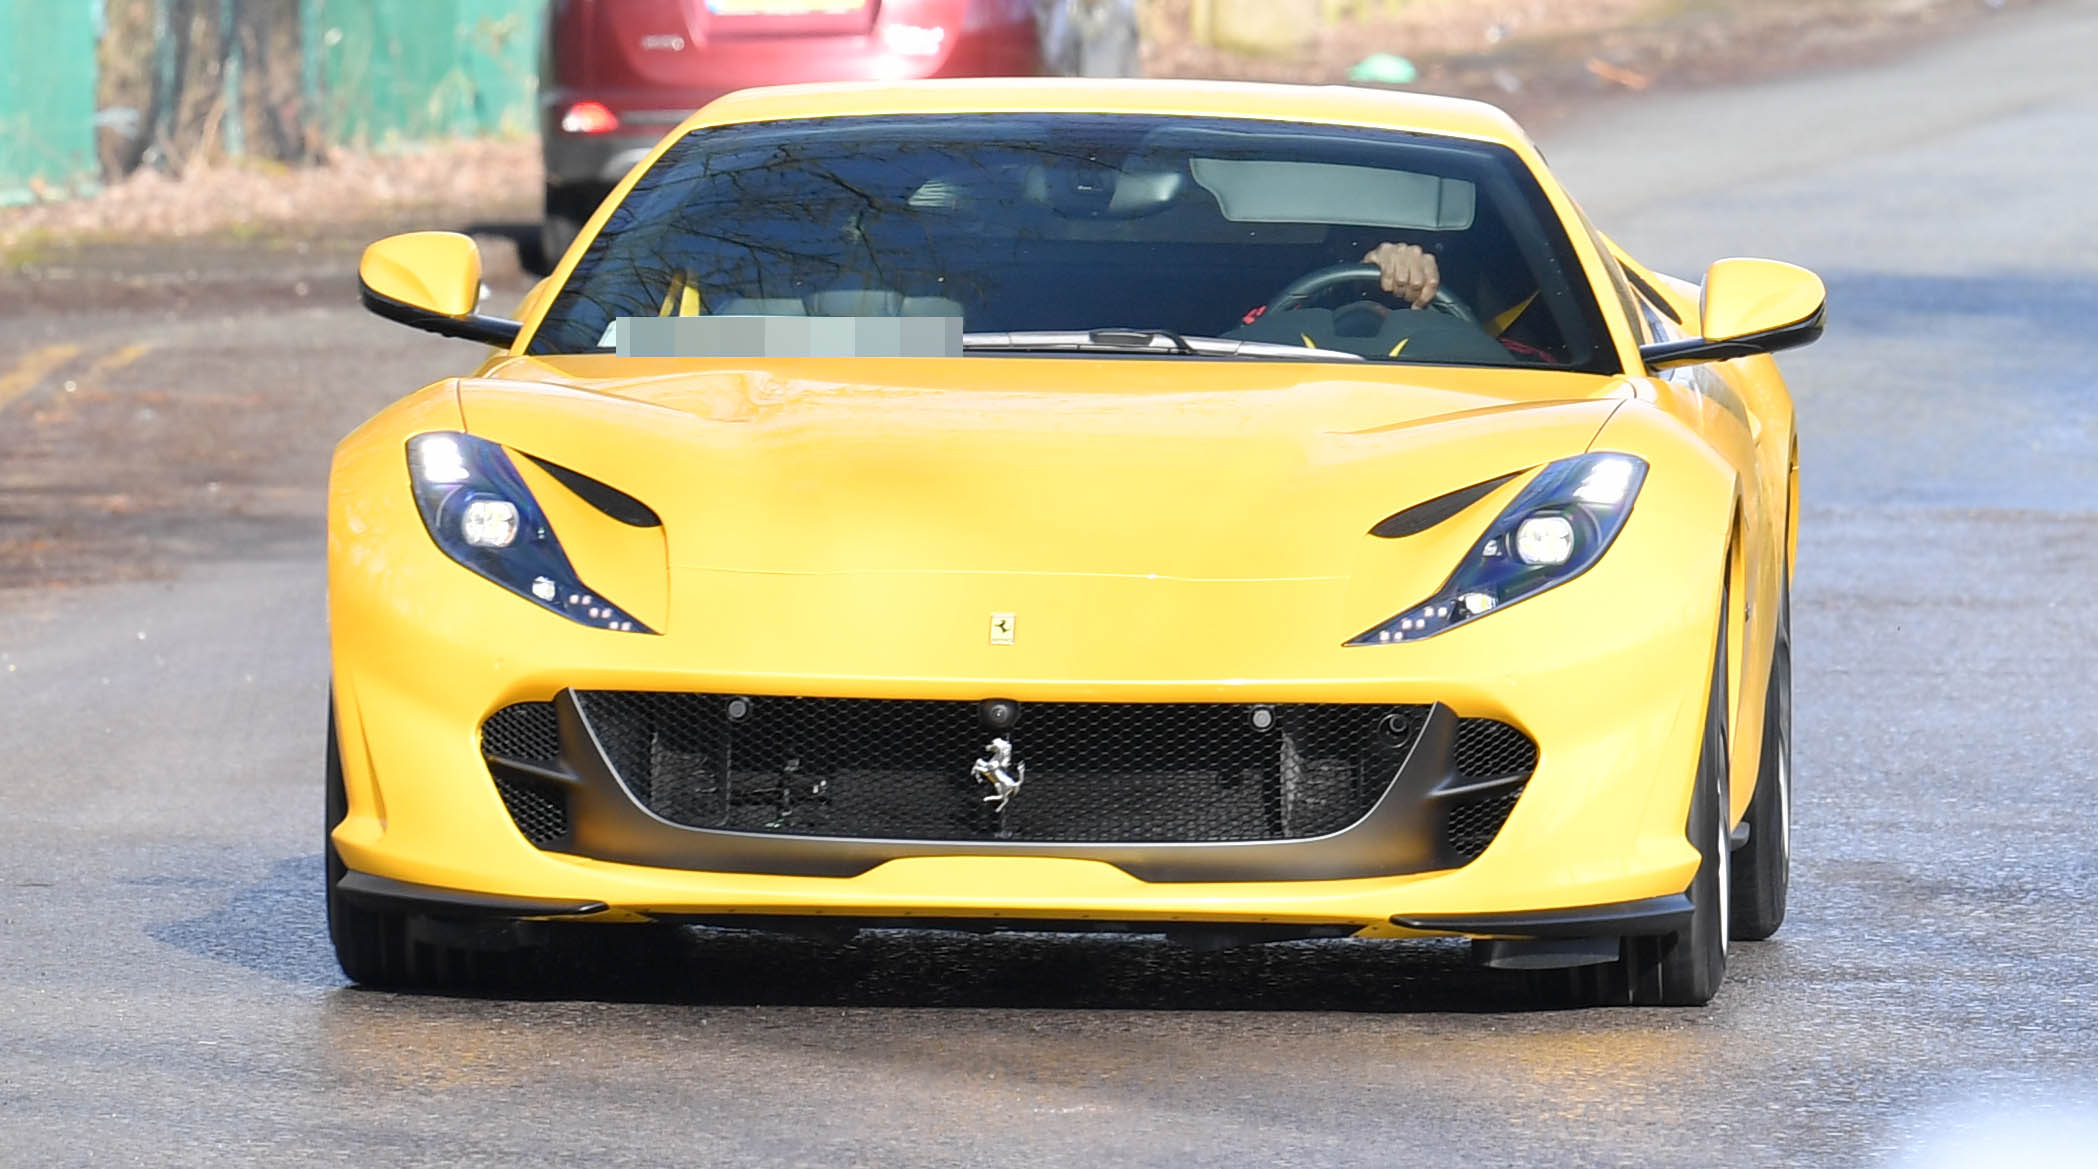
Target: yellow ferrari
1234,513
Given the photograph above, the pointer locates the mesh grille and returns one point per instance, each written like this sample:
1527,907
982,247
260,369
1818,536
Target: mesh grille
1472,826
541,812
527,732
1096,772
898,769
1487,749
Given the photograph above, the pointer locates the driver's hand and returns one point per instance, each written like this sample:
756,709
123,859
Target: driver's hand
1409,272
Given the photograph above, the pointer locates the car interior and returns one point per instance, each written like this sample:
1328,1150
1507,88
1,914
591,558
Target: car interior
1196,230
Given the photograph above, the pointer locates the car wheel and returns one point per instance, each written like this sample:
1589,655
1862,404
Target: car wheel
556,232
404,951
1763,866
567,209
1682,968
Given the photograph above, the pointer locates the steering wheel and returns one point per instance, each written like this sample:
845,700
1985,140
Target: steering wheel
1311,284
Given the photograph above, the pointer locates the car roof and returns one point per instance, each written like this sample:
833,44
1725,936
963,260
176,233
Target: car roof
1331,104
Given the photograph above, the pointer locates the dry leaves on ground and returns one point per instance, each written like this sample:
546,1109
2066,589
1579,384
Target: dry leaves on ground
481,178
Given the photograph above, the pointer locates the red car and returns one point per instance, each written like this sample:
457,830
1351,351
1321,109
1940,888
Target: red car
616,75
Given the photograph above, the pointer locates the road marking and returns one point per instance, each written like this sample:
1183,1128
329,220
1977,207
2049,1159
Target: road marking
110,363
32,370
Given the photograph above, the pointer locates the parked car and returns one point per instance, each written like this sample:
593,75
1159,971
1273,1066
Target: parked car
615,75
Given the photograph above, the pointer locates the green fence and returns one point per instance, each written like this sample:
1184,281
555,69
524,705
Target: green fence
381,71
91,89
47,98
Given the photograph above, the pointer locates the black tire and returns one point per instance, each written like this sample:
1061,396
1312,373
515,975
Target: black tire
403,951
355,950
1685,968
567,210
556,233
1763,866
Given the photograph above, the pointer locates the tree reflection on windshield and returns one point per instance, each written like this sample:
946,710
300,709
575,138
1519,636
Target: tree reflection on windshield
1048,222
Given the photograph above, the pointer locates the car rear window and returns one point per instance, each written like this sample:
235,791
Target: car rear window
1075,222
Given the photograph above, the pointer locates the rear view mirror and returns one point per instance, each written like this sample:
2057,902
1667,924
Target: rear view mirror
1749,307
430,280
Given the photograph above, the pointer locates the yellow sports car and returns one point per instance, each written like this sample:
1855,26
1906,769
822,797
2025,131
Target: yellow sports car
1238,513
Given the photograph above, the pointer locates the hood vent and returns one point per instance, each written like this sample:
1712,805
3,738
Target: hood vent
609,500
1422,516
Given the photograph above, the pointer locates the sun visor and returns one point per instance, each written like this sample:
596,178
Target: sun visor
1264,191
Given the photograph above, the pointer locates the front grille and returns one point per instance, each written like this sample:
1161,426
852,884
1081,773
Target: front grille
1132,773
1472,824
541,810
902,769
527,732
1096,772
1486,749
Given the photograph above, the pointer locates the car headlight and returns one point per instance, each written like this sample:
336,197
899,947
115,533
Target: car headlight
1560,525
480,513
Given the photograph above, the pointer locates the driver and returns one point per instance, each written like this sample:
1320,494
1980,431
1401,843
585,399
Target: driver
1408,272
1411,275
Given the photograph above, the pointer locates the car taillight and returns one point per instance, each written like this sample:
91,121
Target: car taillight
913,40
589,117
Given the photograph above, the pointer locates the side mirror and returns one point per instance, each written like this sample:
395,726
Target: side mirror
1750,307
430,280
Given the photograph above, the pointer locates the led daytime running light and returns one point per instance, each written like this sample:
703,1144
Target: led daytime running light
1554,530
479,512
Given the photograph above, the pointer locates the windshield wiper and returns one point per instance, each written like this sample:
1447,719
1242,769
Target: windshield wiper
1143,337
1160,341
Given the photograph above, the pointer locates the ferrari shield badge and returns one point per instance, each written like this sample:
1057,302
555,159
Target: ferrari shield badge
998,769
1002,628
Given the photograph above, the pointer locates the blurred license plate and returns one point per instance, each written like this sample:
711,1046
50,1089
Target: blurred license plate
784,7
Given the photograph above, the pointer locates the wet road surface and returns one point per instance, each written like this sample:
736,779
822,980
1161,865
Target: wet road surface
167,996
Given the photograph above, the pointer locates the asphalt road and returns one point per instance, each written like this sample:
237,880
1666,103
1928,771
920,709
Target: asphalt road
167,996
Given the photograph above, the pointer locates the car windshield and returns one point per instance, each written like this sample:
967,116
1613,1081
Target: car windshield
1027,224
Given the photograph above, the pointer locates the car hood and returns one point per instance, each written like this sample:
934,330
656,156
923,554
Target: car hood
1195,473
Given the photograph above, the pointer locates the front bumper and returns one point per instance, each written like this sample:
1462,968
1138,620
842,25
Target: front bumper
424,810
1607,674
1652,916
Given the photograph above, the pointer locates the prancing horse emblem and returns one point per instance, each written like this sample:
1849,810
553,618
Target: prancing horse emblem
997,769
